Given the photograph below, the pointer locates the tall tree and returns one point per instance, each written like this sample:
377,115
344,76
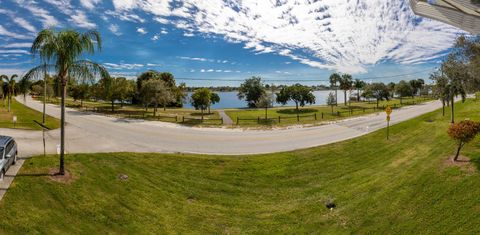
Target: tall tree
359,85
80,92
62,51
201,99
266,101
334,79
214,98
24,87
403,89
379,91
457,75
156,92
9,87
441,89
297,93
346,84
251,90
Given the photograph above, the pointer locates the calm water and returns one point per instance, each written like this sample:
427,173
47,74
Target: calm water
230,100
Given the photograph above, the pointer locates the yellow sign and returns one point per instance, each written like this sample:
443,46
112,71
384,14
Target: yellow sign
388,110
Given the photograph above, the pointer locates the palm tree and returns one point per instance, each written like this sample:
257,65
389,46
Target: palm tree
346,83
24,87
9,87
359,84
62,52
334,78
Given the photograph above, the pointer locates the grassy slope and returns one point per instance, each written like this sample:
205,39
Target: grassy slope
310,110
397,186
25,117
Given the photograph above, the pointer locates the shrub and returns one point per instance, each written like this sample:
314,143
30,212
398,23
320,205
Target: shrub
463,132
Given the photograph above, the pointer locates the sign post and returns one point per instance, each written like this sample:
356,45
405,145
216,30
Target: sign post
388,111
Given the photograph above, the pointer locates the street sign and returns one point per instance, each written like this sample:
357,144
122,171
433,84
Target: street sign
388,110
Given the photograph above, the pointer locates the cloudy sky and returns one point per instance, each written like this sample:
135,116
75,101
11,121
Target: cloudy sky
205,42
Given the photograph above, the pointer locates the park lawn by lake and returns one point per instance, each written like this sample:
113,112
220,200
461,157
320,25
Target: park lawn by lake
404,185
174,115
25,117
288,115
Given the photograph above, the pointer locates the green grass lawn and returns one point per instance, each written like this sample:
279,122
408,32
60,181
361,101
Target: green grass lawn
400,186
175,115
288,114
25,117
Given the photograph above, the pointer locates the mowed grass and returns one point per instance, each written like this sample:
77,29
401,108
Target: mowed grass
400,186
249,117
176,115
25,117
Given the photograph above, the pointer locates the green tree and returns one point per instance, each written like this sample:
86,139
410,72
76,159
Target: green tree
441,89
416,85
297,93
346,84
334,79
9,87
403,89
378,91
201,99
62,51
251,90
80,92
214,98
24,87
359,85
156,92
266,101
331,100
457,75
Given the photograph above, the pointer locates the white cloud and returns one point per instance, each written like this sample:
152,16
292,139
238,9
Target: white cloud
339,35
125,16
115,29
89,4
80,19
155,37
14,52
122,66
5,32
44,16
161,20
24,24
142,30
17,45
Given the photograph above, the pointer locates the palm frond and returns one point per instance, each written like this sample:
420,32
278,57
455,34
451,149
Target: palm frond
87,70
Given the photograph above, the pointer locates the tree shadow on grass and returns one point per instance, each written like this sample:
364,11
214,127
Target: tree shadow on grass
199,114
294,111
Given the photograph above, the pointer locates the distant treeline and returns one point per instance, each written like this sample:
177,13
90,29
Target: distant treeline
235,89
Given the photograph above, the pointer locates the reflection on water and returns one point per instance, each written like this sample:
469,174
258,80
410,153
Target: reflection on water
230,100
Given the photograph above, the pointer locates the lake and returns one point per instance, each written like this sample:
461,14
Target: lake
230,100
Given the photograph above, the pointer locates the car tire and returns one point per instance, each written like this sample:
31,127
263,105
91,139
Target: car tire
14,159
2,175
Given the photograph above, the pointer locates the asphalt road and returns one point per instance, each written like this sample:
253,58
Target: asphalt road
89,132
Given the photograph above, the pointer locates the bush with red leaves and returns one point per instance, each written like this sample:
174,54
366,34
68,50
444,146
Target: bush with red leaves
463,132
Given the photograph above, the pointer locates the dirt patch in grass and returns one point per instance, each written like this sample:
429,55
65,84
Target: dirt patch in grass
67,178
462,162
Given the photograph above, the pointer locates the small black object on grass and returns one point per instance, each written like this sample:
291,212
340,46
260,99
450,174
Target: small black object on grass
330,204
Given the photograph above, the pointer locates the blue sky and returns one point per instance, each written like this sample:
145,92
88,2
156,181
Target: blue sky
228,40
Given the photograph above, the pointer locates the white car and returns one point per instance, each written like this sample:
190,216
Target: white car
8,154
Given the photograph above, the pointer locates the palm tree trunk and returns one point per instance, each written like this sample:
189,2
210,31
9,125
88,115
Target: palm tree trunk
266,112
44,98
113,107
62,126
9,101
358,95
345,97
